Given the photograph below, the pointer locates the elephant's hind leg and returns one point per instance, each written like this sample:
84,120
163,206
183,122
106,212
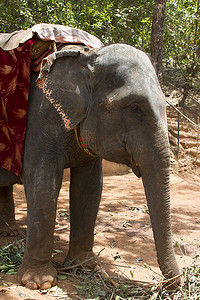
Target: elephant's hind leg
8,226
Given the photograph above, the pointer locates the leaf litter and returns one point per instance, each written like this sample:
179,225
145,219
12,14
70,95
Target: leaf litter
99,285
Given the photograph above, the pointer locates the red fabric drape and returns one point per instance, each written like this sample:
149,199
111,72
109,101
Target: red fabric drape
14,88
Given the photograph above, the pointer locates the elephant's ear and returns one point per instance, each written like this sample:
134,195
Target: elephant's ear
65,80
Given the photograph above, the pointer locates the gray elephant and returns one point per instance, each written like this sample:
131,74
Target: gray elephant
88,105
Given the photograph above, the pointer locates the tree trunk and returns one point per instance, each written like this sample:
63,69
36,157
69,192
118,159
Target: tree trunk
157,36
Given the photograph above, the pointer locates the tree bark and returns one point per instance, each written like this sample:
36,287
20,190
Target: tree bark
157,36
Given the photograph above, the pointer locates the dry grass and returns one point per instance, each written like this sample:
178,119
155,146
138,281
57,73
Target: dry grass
99,285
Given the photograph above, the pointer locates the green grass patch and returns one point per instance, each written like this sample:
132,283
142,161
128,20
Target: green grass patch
11,256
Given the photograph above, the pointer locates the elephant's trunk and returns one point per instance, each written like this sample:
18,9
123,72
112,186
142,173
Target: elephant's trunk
155,175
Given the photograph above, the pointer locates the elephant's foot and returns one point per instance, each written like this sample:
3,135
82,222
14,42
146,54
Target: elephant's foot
83,259
37,275
8,227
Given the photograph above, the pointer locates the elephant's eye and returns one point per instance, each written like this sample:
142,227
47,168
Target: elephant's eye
134,107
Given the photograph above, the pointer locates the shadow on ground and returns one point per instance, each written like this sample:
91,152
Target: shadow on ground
123,231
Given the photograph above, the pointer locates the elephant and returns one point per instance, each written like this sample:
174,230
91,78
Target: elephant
85,106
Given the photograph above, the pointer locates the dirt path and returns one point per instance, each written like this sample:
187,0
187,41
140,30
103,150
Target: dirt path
123,229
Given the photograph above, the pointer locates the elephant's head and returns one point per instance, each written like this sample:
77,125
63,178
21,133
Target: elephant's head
113,95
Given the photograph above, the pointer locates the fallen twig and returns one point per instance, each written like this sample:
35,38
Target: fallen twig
171,281
115,265
60,228
81,264
108,278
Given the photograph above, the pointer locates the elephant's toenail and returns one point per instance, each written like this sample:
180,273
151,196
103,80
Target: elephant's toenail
31,285
54,282
45,285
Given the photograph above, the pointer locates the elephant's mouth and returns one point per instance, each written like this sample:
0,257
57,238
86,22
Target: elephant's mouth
135,168
81,143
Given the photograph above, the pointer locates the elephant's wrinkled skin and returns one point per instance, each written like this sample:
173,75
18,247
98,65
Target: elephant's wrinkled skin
114,94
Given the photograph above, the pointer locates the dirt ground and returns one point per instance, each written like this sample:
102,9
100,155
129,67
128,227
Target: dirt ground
123,230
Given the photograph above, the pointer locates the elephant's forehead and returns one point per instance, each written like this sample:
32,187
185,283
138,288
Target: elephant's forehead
124,56
139,90
127,74
129,79
126,65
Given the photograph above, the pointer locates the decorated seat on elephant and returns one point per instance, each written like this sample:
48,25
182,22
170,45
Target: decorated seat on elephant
21,52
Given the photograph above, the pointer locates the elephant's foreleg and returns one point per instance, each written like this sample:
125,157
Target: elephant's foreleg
41,187
8,224
85,194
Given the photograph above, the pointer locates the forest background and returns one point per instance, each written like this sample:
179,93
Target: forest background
125,21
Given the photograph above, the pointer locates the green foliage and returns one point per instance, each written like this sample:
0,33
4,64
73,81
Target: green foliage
11,256
182,36
110,20
116,21
21,14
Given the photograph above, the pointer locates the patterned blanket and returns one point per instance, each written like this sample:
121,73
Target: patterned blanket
20,52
